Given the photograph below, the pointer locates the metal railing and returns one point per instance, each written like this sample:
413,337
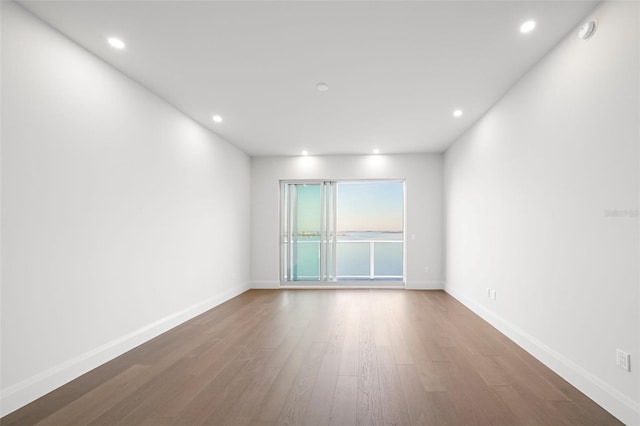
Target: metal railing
342,275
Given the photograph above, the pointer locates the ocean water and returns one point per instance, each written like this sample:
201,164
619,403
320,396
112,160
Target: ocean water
354,256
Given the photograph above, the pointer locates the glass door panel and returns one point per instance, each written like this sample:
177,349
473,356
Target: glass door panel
353,260
342,231
370,230
387,260
302,223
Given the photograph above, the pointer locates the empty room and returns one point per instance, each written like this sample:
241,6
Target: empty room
320,212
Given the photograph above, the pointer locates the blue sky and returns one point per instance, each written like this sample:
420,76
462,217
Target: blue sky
308,208
370,206
362,206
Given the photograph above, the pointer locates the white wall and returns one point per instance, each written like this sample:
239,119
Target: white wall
121,217
527,192
423,174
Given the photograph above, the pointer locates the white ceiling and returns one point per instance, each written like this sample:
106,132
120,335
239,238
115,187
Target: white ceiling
396,70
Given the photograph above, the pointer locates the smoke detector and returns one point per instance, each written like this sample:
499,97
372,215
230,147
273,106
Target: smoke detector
587,30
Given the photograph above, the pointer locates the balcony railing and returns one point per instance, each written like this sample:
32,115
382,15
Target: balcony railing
356,260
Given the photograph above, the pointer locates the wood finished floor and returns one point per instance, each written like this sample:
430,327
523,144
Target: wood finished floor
322,357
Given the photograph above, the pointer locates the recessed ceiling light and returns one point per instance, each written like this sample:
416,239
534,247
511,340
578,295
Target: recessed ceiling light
527,26
305,152
217,118
116,42
457,113
322,87
587,30
376,151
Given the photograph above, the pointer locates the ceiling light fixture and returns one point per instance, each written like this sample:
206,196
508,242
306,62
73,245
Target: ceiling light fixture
587,30
305,152
217,118
116,42
322,87
457,113
527,27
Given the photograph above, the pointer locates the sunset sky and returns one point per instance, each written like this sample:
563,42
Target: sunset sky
362,206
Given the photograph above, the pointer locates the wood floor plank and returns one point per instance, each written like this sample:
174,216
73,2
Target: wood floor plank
344,408
471,396
336,339
421,408
159,370
575,414
245,411
394,405
94,403
318,410
529,411
425,368
295,405
401,351
524,377
381,330
245,408
160,393
580,405
318,357
369,410
279,391
490,370
205,404
349,359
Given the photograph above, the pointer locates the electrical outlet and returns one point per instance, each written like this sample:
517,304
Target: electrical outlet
493,294
622,360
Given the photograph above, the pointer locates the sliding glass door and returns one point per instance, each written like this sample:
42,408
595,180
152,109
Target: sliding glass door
342,231
308,231
370,230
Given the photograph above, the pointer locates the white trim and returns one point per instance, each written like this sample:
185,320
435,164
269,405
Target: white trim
425,285
341,284
340,287
410,285
273,285
612,400
32,388
265,285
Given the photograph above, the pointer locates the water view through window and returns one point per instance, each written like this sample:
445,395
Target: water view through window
342,231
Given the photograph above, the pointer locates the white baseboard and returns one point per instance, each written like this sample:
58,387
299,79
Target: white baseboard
326,285
425,285
264,285
410,285
344,286
26,391
612,400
